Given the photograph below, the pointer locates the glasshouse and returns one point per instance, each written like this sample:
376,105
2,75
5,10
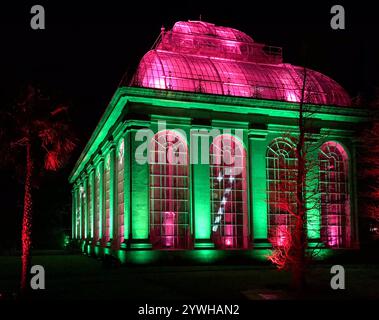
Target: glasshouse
194,155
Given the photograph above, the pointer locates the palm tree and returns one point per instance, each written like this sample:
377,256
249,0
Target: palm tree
35,136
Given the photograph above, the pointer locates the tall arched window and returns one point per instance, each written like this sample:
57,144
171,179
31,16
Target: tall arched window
334,189
120,190
228,193
89,208
97,221
83,207
107,185
78,210
281,166
169,195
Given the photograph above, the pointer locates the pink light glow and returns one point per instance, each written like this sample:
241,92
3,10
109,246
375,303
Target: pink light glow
281,235
335,208
229,233
333,236
196,56
169,221
169,228
228,169
291,96
228,242
159,83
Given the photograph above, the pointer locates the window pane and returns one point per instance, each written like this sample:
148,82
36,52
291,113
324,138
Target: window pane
228,193
335,206
169,223
281,186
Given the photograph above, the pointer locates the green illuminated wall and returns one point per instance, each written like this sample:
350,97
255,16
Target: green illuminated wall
78,211
139,192
201,192
127,186
261,120
111,191
257,156
84,209
91,204
100,223
313,196
73,210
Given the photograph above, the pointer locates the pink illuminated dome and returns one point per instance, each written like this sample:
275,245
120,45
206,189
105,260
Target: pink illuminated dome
197,56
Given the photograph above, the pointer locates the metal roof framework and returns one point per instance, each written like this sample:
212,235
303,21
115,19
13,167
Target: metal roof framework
200,57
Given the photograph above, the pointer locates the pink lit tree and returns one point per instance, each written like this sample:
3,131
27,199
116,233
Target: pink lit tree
34,137
295,197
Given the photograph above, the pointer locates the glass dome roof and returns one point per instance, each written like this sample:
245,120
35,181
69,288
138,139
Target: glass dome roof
197,56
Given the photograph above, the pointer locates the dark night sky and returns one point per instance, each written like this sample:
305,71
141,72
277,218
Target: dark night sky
86,48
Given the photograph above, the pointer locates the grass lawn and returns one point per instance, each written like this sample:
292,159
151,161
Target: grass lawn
80,277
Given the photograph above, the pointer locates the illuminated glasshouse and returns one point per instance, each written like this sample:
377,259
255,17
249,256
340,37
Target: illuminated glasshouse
188,158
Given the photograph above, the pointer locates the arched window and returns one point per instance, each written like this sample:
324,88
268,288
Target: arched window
228,193
120,190
281,166
83,208
89,208
97,222
78,210
107,185
169,193
334,189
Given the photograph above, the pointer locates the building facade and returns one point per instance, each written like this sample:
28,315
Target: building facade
194,157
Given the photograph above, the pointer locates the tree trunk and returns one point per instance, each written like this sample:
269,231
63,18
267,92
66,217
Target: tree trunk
300,240
299,266
27,222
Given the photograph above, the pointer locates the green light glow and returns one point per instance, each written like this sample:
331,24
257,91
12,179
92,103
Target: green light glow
206,256
140,245
140,197
202,102
260,255
239,105
112,113
100,198
314,197
79,214
121,255
258,187
141,257
74,208
202,206
136,179
204,245
92,202
127,191
111,191
84,204
322,254
66,240
73,213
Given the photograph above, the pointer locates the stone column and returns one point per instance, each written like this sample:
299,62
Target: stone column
200,185
100,172
257,175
